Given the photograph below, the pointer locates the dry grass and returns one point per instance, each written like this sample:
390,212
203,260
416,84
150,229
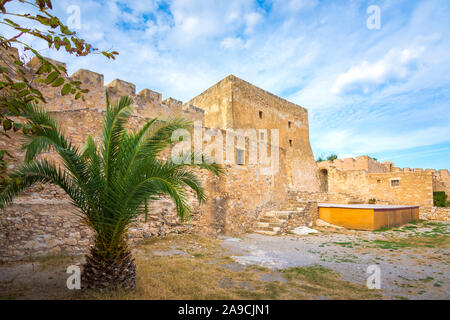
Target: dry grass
186,267
203,274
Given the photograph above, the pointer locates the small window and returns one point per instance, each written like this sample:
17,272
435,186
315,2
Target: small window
240,157
378,180
291,143
260,114
395,183
289,124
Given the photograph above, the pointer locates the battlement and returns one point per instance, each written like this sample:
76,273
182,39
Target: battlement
359,163
121,88
373,166
149,96
35,63
147,103
173,103
89,78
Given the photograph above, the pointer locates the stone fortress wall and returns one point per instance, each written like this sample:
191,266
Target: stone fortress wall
365,178
41,220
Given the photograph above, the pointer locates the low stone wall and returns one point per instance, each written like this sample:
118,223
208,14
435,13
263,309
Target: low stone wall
307,217
327,197
37,226
435,213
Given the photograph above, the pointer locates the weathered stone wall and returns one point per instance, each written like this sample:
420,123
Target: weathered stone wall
365,178
415,188
307,217
441,181
42,221
435,213
34,226
236,104
359,163
324,197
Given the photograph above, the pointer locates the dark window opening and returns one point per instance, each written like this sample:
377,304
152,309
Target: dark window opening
290,143
240,157
260,114
395,183
289,124
323,174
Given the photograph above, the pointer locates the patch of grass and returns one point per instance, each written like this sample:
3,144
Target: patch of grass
409,227
181,277
323,281
12,291
383,229
49,261
427,279
414,241
345,244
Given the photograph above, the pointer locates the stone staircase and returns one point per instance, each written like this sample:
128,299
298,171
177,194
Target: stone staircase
272,222
299,211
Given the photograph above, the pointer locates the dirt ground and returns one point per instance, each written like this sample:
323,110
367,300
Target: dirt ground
413,260
332,264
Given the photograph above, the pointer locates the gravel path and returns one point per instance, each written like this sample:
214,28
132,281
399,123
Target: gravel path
413,273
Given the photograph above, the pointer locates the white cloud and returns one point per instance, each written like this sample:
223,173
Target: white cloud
233,43
293,6
353,141
252,19
299,49
396,65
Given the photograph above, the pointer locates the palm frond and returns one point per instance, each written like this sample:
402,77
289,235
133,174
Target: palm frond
111,183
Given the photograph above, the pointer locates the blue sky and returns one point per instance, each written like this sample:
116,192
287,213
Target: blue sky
382,92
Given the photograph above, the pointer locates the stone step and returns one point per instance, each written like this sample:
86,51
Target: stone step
272,220
279,214
283,213
267,233
293,208
268,225
269,228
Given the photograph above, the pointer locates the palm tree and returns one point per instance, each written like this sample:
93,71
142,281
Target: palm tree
109,184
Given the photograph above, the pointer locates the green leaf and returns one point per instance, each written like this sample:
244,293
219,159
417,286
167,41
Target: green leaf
24,93
17,126
66,89
7,124
12,23
58,82
19,85
51,77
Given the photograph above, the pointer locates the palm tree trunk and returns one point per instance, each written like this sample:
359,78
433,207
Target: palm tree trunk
101,273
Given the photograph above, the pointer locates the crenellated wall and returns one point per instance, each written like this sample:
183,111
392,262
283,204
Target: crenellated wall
236,104
367,179
146,103
35,223
359,163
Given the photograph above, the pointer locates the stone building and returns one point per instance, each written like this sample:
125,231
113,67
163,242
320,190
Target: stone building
40,220
270,197
367,180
